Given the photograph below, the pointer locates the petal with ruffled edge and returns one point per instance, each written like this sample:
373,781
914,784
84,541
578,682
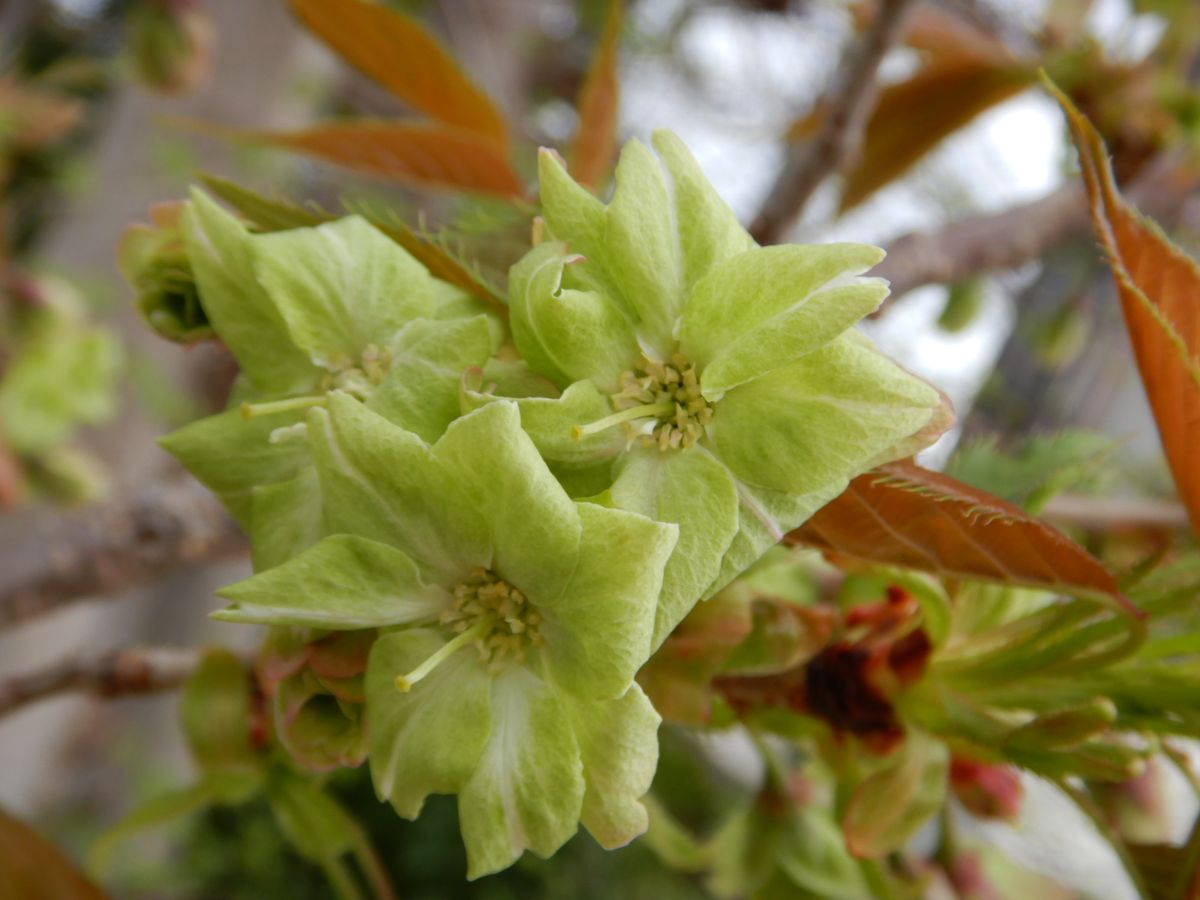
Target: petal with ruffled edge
694,490
598,634
429,740
527,790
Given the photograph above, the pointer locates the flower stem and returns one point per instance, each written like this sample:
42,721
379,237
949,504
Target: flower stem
404,683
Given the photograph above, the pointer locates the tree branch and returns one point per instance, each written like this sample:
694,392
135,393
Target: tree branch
1008,239
839,134
128,671
1101,514
51,559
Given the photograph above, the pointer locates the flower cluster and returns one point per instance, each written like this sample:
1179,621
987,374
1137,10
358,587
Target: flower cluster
511,553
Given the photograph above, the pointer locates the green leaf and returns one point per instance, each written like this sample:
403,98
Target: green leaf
343,582
618,743
527,791
153,814
59,380
534,528
709,232
566,334
341,287
820,420
384,483
215,706
598,633
695,491
889,806
240,311
312,822
429,740
769,306
642,247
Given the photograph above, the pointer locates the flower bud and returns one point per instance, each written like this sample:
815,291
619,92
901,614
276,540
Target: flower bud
153,259
170,44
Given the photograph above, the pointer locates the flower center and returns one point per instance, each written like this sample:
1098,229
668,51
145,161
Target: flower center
659,404
358,380
491,614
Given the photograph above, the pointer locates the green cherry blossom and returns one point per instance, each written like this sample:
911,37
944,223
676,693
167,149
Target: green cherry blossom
711,382
512,618
305,312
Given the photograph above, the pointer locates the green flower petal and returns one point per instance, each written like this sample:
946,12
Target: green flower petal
566,334
642,247
420,392
429,740
694,490
382,482
533,526
576,217
709,232
232,456
341,583
340,287
618,742
767,307
527,791
219,249
549,422
598,634
285,518
819,421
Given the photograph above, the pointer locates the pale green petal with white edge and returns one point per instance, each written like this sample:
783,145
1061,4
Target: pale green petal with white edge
232,455
697,492
343,582
597,635
428,358
642,247
382,482
822,419
527,791
341,287
771,305
428,740
709,232
567,334
286,518
618,743
533,527
220,251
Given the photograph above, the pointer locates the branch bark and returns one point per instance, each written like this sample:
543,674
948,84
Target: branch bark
124,672
1013,237
840,132
51,559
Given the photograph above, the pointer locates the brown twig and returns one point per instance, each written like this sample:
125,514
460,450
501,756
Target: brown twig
51,559
1103,514
840,132
129,671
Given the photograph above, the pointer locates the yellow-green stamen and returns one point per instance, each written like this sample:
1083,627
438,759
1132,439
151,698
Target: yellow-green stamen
404,683
645,411
253,410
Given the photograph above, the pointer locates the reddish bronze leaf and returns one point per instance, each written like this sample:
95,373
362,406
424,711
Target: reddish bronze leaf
32,868
903,515
595,143
399,53
1159,287
914,116
419,154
